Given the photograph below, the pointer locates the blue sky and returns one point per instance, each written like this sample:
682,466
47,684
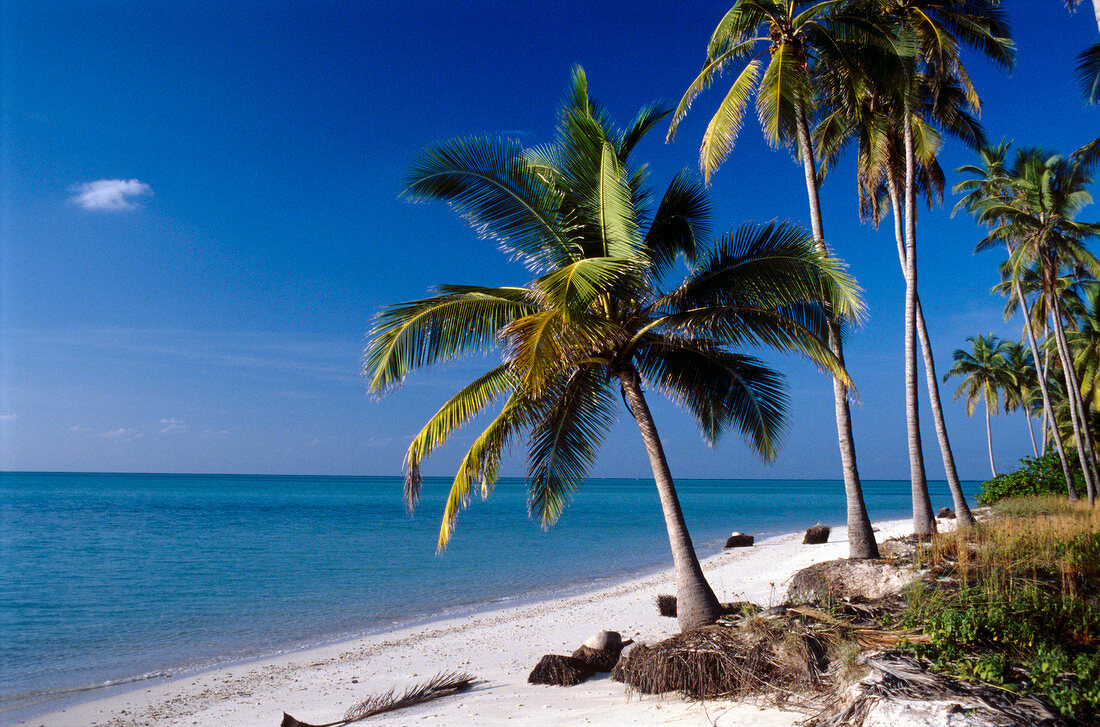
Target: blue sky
203,307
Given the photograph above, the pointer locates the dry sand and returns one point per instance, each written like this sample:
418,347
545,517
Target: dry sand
498,647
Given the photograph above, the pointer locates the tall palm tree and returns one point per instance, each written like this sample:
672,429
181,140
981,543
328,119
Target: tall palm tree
1018,390
984,372
596,318
786,40
929,34
990,183
1035,216
873,124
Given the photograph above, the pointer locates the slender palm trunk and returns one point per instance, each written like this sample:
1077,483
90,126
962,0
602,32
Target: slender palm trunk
1096,12
1048,426
696,604
1048,412
1031,431
989,434
924,523
1081,433
861,536
964,517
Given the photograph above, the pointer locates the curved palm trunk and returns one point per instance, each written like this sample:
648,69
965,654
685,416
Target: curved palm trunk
989,434
696,604
1048,411
924,523
1081,433
964,517
861,536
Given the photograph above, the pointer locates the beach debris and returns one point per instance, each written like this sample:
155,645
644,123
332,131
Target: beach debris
605,640
666,605
843,579
739,540
561,671
601,651
729,659
816,535
900,691
946,512
443,684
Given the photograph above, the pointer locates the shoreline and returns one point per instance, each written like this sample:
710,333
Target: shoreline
498,646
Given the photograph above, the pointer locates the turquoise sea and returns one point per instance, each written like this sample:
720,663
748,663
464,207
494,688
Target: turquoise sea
115,578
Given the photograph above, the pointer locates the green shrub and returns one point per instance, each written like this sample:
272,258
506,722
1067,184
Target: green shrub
1036,476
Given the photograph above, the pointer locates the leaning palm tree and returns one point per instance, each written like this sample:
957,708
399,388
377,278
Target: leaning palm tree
984,372
778,44
597,318
989,184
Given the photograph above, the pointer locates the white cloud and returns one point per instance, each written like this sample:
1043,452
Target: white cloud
79,429
312,444
125,434
110,195
172,425
8,417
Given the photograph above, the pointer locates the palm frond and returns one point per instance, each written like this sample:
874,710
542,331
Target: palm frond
564,442
488,182
681,221
482,460
646,119
576,285
720,388
721,132
466,404
782,93
767,266
460,319
1088,73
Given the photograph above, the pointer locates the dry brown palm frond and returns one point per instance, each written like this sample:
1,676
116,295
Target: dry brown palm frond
443,684
753,657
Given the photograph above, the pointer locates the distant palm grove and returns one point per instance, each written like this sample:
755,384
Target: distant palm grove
638,290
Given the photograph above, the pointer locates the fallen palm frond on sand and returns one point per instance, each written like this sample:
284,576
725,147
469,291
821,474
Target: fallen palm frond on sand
441,685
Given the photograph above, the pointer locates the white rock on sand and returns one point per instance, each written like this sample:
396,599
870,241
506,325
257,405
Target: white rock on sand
499,647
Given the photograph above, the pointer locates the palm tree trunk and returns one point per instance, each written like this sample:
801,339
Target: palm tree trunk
1048,411
1048,426
924,523
989,435
964,517
1096,12
1081,433
696,604
861,536
1031,431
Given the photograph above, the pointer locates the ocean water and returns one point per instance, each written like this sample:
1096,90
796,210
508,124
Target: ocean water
114,578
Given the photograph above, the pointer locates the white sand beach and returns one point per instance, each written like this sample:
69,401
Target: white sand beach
498,647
